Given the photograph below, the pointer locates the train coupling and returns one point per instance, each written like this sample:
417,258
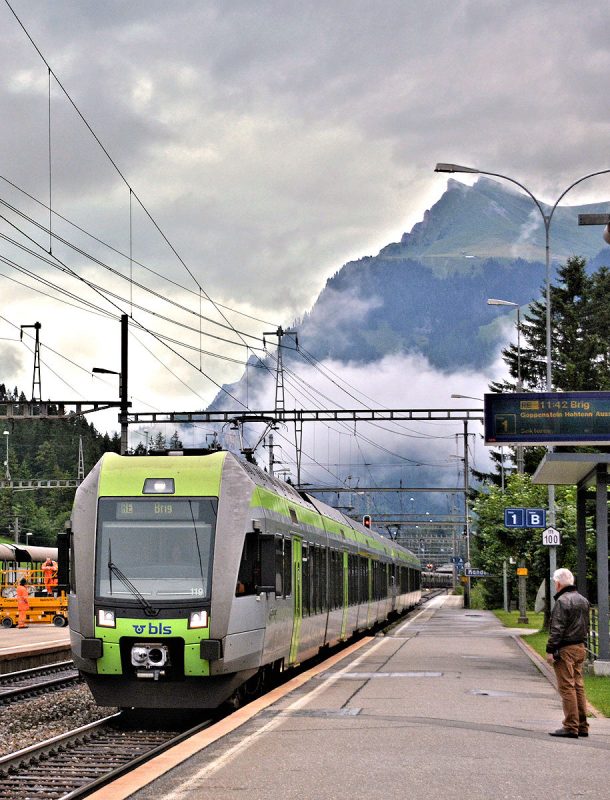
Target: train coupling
149,659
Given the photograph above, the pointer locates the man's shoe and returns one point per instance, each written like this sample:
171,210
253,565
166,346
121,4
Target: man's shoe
563,733
583,734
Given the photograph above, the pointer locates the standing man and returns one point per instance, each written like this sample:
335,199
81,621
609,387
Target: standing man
23,603
49,572
566,652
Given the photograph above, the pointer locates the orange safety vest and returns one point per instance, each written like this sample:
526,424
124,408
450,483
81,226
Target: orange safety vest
23,601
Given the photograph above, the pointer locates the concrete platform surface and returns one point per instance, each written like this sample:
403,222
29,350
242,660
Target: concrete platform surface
21,648
446,705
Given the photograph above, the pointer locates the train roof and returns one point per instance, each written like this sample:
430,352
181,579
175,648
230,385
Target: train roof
201,474
354,529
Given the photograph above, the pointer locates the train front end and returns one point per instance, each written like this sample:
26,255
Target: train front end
142,548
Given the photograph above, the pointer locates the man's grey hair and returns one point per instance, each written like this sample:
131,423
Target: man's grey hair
564,577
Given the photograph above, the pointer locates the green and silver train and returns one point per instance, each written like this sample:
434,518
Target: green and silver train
193,578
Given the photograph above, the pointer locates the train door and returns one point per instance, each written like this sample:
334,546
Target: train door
393,588
346,598
297,593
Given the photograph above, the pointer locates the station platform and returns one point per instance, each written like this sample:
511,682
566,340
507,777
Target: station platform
34,646
447,704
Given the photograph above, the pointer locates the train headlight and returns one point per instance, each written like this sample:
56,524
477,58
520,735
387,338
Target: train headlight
159,486
106,618
198,619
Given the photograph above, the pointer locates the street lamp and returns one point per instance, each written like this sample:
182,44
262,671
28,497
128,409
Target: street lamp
519,449
466,397
7,472
493,302
124,404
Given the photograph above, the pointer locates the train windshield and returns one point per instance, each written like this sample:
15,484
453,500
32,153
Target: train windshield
161,548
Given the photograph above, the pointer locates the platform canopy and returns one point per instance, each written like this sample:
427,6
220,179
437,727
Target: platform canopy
569,468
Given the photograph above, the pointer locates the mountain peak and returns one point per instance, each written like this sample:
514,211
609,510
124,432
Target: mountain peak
490,219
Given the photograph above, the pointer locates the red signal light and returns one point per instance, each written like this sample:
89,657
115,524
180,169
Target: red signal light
366,520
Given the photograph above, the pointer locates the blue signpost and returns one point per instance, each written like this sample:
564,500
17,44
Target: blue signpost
525,518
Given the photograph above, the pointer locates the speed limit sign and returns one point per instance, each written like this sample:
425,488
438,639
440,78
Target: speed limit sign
551,537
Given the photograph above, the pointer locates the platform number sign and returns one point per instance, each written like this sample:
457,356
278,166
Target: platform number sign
551,537
535,517
514,517
524,517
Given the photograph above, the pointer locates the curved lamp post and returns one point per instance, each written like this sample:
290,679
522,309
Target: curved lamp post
547,219
495,302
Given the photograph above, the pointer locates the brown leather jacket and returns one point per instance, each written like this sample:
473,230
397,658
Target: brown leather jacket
569,619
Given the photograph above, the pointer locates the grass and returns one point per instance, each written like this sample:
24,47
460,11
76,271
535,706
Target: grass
510,619
597,687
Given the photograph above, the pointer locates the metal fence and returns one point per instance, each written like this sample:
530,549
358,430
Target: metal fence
592,637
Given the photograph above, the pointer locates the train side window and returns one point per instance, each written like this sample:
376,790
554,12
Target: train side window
315,557
279,566
324,579
287,567
249,573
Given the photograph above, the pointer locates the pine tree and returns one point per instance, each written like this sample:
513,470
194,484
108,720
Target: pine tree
580,335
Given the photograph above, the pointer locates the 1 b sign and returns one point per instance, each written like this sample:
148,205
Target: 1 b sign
551,537
524,517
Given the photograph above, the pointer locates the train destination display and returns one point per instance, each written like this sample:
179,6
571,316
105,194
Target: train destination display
569,418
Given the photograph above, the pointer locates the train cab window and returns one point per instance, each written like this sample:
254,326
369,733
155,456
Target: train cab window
155,548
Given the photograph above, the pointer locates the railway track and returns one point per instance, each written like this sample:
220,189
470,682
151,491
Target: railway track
74,764
15,686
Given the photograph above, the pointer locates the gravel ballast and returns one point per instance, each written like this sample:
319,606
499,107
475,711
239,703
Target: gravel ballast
32,721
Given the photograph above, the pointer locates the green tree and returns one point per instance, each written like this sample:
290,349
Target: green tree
492,543
580,335
175,443
46,449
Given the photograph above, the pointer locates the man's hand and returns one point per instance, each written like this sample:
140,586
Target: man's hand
549,659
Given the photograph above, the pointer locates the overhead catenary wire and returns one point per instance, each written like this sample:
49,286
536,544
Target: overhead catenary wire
134,261
113,162
109,300
92,308
116,273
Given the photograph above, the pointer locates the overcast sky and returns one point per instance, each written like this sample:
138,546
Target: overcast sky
271,142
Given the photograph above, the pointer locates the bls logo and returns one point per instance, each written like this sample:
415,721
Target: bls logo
153,630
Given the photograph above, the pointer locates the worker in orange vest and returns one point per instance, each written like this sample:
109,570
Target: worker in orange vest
49,574
23,603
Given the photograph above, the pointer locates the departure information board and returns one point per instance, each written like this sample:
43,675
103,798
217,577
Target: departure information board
568,418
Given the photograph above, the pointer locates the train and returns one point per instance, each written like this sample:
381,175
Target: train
196,577
436,579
